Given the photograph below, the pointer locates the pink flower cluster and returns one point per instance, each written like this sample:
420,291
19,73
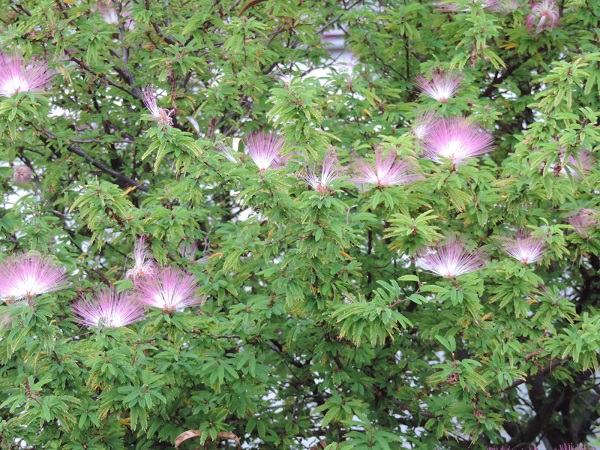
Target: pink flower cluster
440,85
22,175
544,15
455,140
584,221
450,260
453,258
443,139
265,150
321,180
17,76
113,13
386,171
448,139
161,115
27,275
389,170
166,288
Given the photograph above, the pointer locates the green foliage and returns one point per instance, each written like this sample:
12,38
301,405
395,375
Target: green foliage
319,328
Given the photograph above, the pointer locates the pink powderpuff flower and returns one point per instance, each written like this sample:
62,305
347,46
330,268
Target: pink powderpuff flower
161,115
143,266
171,289
22,175
524,247
264,149
544,15
109,309
111,14
388,171
330,171
422,124
457,140
17,76
440,86
28,275
583,221
450,260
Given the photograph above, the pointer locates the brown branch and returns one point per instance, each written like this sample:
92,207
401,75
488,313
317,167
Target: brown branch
544,370
104,168
507,73
248,6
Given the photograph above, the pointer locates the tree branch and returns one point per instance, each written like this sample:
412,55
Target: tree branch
104,168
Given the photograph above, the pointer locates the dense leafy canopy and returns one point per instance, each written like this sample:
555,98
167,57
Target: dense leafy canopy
319,327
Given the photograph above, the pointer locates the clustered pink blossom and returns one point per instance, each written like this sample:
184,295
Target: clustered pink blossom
583,221
166,288
111,14
22,175
450,260
109,309
440,86
28,275
385,171
265,150
524,247
170,290
422,124
330,171
456,140
17,76
544,15
161,115
143,266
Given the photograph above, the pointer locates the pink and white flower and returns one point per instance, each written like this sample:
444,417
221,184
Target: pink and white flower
524,247
28,275
450,260
22,175
161,115
265,149
109,309
583,221
388,171
113,13
422,124
440,86
171,289
143,266
17,76
456,140
330,171
544,15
